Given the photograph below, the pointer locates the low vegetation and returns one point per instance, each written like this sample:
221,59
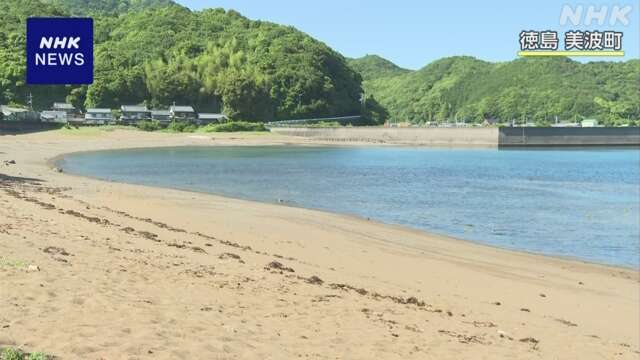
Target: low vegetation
149,125
181,126
17,354
185,127
233,126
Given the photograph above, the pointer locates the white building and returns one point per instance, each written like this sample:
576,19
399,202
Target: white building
53,116
98,116
205,118
589,123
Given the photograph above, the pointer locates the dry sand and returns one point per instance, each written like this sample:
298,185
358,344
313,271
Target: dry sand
129,272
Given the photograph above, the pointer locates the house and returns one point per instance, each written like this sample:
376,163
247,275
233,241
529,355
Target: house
205,118
52,116
133,113
67,108
183,113
11,113
98,116
589,123
163,116
565,124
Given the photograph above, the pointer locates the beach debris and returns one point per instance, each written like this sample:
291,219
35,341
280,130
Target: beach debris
278,266
176,245
9,162
525,310
413,328
58,170
497,303
347,287
53,250
487,324
412,300
229,255
531,340
33,268
543,295
503,334
566,322
315,280
92,219
198,249
148,235
462,338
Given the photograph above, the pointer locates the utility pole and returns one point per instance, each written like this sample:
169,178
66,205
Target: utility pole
30,101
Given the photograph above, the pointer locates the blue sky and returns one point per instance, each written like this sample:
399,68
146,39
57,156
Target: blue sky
412,33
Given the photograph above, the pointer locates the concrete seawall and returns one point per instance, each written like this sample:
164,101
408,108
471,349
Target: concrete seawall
569,136
403,136
490,137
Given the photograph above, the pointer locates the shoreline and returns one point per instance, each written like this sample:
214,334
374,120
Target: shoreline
413,293
54,161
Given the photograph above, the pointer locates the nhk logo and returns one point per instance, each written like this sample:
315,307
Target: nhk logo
59,51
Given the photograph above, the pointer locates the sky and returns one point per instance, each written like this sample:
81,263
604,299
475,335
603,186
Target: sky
412,33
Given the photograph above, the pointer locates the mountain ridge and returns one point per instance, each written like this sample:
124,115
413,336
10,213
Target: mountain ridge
522,90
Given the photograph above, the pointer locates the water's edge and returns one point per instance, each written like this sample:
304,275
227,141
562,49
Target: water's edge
56,161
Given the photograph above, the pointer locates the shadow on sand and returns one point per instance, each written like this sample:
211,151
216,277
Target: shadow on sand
16,180
24,127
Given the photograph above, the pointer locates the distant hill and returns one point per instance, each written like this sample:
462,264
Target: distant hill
375,67
106,7
527,89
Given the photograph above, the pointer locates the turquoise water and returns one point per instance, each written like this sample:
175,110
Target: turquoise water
568,202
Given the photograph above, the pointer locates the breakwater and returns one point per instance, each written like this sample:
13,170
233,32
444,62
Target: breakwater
504,136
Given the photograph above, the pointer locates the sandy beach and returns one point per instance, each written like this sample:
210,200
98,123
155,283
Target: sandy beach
99,270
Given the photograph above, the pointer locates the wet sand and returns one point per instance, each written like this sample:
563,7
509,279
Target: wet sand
99,270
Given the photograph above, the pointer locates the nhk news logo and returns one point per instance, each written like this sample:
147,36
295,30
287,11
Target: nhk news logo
577,42
59,51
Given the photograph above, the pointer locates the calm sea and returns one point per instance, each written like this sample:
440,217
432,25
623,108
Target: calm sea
569,202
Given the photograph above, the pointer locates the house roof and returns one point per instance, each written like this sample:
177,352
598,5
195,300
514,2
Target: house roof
8,110
182,109
63,106
211,116
134,108
160,113
52,114
99,111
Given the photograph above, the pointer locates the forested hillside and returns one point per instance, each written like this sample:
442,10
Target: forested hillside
538,90
105,7
211,59
374,67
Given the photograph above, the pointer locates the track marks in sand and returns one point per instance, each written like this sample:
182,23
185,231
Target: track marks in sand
204,261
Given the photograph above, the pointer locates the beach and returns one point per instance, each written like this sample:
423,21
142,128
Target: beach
100,270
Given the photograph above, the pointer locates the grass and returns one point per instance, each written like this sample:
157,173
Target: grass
17,354
173,127
91,130
234,126
18,264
